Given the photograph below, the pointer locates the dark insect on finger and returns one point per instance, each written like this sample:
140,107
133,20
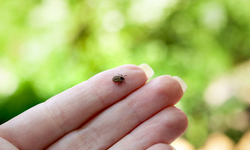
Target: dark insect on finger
119,79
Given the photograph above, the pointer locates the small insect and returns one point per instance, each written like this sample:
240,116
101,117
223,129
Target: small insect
119,79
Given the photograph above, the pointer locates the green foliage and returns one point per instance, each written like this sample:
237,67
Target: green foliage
48,46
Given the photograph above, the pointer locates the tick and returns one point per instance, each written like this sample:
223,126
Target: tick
119,79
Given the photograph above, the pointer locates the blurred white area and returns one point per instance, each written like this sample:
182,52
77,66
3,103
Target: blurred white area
244,143
218,141
213,15
239,120
221,90
182,144
215,141
113,21
110,43
34,51
49,12
148,11
234,84
8,82
46,32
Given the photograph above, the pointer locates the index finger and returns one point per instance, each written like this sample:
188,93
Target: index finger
48,121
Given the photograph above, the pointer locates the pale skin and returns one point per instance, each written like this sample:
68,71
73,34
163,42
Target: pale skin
98,114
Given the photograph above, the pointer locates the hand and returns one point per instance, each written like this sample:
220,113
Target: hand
100,114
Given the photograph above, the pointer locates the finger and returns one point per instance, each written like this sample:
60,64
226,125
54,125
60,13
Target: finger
118,120
164,127
6,145
160,146
47,122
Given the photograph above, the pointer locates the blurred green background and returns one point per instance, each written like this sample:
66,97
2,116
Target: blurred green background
47,46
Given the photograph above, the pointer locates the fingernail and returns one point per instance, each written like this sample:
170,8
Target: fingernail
182,83
147,69
172,147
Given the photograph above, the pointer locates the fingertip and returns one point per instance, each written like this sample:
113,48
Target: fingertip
180,119
161,146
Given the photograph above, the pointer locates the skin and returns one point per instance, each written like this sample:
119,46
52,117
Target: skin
98,114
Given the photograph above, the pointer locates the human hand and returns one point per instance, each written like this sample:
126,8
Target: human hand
99,114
